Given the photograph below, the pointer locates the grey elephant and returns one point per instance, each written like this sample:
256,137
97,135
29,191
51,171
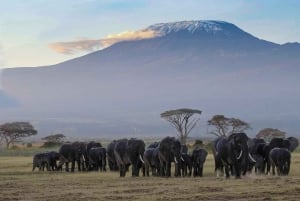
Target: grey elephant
280,158
151,160
46,159
198,157
73,153
129,152
257,158
97,158
232,153
169,151
111,160
186,164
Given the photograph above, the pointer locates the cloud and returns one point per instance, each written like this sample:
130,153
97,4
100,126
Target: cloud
90,45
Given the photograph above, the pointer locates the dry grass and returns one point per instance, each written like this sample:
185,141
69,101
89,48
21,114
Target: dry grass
17,182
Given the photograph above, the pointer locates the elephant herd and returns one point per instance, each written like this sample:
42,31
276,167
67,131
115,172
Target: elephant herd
235,155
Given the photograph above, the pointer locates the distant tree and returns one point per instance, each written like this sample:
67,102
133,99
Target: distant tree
225,126
53,140
269,133
182,120
15,131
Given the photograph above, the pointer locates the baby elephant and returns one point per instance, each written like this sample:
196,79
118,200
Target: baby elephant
46,159
281,159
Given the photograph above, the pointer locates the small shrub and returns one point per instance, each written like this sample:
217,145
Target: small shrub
51,144
29,144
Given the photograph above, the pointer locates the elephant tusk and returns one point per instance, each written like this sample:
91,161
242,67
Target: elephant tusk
182,159
240,156
83,157
253,160
175,160
141,159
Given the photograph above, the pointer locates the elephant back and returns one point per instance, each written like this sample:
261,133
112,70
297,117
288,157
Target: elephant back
92,144
67,151
280,143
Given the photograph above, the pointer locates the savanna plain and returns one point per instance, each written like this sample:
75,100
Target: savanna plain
18,182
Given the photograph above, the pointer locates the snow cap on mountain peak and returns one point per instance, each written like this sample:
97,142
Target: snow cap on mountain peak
209,26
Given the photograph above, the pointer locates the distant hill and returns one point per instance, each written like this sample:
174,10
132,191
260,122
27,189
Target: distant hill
213,66
7,101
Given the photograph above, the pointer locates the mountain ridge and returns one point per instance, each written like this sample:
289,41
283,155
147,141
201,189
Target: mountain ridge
133,81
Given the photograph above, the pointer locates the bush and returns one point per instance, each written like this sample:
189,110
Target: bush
51,144
29,144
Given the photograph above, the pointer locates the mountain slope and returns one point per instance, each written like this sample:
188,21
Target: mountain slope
210,65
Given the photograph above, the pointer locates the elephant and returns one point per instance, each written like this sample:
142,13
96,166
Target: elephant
86,148
73,152
40,160
232,153
48,159
257,158
112,163
198,157
281,159
275,142
152,161
169,151
97,158
293,143
153,145
129,152
217,157
186,164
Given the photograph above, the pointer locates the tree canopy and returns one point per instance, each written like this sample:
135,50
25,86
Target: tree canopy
182,120
53,140
14,131
225,126
269,133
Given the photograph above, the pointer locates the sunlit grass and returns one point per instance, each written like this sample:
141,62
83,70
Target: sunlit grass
18,182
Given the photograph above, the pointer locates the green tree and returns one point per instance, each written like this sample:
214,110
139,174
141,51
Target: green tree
183,120
224,126
53,140
269,133
15,131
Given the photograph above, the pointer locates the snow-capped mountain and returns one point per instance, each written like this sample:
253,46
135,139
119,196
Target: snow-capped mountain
210,65
210,27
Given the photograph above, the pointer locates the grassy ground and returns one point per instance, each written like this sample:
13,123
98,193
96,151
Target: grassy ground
17,182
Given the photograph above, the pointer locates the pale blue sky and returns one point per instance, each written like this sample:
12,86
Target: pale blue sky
27,28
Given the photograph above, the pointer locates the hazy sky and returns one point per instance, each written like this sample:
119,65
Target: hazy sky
31,30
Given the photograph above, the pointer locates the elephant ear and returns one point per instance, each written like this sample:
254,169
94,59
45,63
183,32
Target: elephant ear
293,143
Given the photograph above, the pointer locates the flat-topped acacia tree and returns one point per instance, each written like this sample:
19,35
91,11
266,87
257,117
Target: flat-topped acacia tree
14,131
183,120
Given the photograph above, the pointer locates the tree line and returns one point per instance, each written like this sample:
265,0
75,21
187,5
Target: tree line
183,120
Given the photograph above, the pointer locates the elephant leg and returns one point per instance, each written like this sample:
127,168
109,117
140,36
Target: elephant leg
227,171
201,171
79,165
268,167
123,170
134,170
237,168
72,166
67,166
168,169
